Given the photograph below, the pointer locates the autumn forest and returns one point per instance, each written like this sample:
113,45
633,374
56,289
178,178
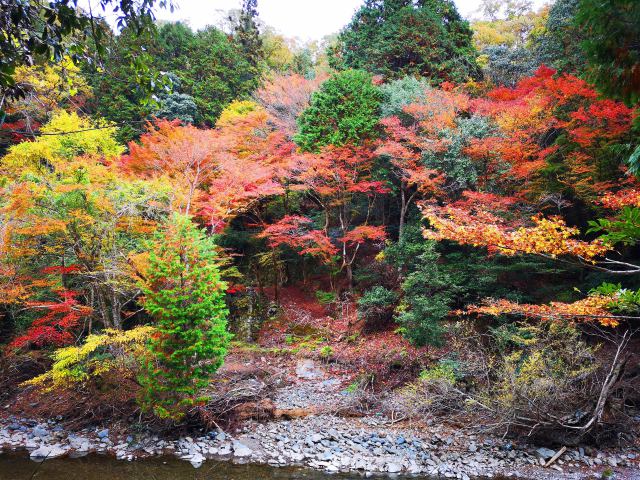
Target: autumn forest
421,218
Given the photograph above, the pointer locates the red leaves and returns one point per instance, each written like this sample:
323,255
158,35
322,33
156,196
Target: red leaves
296,232
540,109
337,171
56,326
61,270
629,197
404,146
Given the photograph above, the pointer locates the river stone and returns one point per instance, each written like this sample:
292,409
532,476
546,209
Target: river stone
103,433
47,452
196,460
545,452
393,468
241,450
40,431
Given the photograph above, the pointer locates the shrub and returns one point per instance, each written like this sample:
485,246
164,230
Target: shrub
185,295
547,373
326,298
98,354
326,352
375,307
434,392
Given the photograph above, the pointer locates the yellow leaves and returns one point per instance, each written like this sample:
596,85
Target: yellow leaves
140,264
551,236
547,237
239,109
593,308
65,137
49,88
77,363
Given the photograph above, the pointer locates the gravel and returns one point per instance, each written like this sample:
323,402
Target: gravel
329,443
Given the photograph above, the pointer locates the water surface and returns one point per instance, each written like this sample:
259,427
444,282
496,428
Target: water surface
95,467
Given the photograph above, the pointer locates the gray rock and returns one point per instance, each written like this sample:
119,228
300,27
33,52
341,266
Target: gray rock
196,460
308,370
241,450
102,434
545,453
47,452
40,431
393,468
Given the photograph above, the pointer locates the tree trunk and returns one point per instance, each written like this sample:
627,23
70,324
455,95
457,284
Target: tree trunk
403,213
115,311
349,271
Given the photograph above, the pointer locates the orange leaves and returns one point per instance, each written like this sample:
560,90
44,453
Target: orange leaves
285,97
42,227
184,154
629,197
547,236
593,308
364,233
438,110
217,173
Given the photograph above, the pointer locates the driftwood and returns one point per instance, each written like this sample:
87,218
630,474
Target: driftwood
555,457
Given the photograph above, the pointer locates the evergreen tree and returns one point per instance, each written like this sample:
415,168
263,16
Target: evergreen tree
186,296
344,110
559,44
247,33
428,291
611,43
401,37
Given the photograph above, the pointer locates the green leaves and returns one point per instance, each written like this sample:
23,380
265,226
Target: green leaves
396,38
625,228
55,29
626,300
610,30
186,296
344,111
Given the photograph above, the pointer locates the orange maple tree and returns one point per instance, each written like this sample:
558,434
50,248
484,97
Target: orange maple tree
554,123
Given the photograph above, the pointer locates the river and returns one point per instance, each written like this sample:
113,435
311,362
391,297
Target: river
94,467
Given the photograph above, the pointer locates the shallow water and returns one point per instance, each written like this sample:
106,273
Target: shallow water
94,467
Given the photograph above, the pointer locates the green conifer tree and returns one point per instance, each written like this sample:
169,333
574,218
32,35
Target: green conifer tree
186,296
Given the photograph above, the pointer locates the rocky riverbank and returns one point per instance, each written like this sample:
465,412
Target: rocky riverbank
332,444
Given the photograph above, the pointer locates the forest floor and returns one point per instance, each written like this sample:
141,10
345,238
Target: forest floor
301,396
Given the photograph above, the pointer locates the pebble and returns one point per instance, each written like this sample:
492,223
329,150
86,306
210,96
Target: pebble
324,442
